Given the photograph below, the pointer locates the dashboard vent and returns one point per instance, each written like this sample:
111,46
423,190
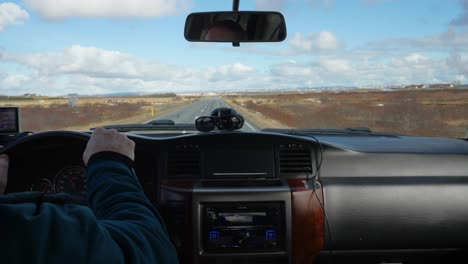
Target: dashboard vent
295,160
184,162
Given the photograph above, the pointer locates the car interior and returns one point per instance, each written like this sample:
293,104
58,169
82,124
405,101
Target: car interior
276,196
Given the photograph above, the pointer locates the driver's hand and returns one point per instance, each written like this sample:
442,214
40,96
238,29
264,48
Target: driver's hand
3,172
109,140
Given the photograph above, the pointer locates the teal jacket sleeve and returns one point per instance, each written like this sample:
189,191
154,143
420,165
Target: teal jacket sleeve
122,208
119,226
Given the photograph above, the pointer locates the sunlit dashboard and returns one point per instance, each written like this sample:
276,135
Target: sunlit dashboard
241,197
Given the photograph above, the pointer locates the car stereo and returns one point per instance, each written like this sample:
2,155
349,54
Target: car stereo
243,227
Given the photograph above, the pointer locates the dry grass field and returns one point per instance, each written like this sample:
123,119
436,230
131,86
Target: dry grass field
416,112
442,113
49,113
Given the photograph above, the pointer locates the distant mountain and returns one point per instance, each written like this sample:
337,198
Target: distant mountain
127,94
121,94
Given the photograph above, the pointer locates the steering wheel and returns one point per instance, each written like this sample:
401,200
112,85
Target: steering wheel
36,152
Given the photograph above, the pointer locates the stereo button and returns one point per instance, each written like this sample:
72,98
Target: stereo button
214,235
270,234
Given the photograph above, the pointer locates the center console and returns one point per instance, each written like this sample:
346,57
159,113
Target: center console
244,202
229,225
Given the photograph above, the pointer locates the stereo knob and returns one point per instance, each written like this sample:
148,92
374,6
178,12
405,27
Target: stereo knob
270,244
243,238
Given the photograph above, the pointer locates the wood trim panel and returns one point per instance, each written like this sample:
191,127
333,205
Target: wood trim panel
307,221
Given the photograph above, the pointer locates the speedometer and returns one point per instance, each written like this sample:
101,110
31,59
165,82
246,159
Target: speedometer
71,179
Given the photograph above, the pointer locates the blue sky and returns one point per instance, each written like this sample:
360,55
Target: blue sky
137,45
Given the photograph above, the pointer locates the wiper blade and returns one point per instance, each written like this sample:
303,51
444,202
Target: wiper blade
153,125
359,129
346,131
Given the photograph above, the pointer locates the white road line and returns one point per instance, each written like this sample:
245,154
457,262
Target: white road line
251,127
224,104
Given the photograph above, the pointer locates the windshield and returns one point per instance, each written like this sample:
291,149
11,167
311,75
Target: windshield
391,66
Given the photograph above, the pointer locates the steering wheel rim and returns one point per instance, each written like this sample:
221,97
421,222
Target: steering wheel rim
43,135
19,149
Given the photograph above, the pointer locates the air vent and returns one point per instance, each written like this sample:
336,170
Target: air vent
184,162
295,160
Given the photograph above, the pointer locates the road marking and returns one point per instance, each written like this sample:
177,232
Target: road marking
251,127
223,104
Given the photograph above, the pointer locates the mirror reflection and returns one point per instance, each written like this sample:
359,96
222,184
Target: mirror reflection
240,26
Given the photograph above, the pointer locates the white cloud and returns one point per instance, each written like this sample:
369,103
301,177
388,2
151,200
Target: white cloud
407,69
14,80
415,57
269,5
459,63
460,78
235,71
336,65
11,14
92,61
93,70
54,9
314,42
451,40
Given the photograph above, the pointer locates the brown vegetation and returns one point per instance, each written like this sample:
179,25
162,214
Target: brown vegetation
56,114
60,116
429,113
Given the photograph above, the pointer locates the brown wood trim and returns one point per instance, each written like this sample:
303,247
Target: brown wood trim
307,221
176,199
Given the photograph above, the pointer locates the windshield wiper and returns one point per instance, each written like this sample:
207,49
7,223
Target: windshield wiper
347,131
153,125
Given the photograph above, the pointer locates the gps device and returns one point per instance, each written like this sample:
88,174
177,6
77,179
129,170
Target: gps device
9,120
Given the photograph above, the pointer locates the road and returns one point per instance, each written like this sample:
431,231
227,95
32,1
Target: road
203,107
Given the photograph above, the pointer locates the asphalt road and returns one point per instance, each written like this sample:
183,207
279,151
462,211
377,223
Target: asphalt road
203,107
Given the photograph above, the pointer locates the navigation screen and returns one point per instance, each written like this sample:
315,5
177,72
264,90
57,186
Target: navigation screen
9,120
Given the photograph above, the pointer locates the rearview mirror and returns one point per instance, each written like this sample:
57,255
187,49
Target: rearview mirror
236,26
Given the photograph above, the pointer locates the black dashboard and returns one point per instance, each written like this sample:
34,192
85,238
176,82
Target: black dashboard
243,197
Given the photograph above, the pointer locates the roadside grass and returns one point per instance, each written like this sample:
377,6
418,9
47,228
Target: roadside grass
45,114
428,113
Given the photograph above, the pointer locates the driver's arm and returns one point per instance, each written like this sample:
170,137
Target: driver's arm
119,203
121,227
3,172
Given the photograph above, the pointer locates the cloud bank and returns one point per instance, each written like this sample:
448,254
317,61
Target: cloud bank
92,70
11,14
53,9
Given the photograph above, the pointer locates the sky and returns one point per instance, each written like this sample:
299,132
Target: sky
56,47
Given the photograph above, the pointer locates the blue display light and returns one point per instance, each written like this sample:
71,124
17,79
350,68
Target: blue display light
214,235
270,234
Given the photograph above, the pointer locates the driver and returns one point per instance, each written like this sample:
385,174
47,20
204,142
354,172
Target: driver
226,30
119,226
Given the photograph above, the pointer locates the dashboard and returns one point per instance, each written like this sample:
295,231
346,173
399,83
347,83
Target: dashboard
239,197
